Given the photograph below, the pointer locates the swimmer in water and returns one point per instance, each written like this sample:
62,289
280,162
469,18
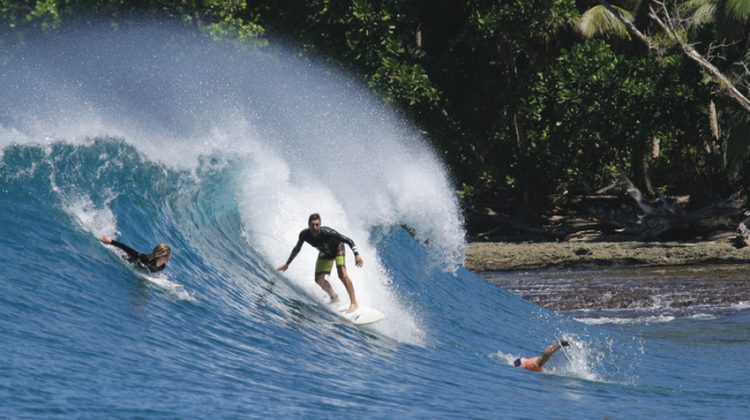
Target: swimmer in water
154,262
535,363
330,245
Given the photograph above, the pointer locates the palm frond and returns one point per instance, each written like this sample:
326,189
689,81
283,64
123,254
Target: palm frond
599,21
690,6
738,9
704,14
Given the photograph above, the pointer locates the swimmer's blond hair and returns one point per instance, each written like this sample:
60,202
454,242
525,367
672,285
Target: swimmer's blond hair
160,250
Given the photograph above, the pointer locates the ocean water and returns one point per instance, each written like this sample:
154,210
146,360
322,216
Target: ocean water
151,133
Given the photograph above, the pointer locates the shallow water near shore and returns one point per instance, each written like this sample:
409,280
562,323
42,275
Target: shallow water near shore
636,294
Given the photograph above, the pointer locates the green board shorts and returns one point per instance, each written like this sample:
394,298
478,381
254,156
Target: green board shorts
325,265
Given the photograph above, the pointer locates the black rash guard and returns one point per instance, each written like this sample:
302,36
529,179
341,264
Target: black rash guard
327,242
138,258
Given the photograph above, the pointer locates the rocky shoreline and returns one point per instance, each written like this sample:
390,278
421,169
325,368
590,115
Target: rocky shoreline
507,256
663,276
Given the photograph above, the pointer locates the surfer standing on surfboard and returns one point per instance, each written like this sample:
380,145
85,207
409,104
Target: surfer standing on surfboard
536,363
156,261
331,246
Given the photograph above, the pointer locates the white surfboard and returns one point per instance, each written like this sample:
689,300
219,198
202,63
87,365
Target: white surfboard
363,315
159,280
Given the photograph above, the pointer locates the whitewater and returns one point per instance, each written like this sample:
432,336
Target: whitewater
154,133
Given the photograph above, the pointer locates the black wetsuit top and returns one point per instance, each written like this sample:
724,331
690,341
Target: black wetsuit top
327,243
140,259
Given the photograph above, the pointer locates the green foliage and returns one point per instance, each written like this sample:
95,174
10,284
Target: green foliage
739,148
518,21
739,9
404,82
238,29
511,96
220,18
593,109
374,40
44,13
599,21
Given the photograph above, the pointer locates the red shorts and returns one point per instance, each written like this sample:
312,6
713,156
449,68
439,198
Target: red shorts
530,364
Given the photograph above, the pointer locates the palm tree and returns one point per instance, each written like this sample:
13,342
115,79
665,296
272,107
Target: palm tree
709,20
600,21
712,11
725,19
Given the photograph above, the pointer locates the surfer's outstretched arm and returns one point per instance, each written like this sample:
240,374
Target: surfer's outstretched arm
341,238
294,253
132,254
154,262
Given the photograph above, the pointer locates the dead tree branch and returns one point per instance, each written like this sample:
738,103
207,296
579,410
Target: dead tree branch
668,25
725,84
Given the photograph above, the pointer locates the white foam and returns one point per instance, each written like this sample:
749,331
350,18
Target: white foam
312,140
704,316
272,226
172,288
650,319
506,358
9,136
577,360
98,221
322,125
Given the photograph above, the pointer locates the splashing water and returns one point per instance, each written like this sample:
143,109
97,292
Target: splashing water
154,133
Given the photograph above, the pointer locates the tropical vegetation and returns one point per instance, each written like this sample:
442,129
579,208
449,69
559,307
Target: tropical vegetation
530,102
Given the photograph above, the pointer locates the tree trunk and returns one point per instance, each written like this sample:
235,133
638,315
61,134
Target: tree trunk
714,121
655,147
639,163
714,147
663,215
724,83
518,127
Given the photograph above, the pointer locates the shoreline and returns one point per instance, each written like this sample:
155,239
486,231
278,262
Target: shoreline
511,256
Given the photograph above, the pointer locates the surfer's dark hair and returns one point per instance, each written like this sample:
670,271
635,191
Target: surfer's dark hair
314,216
517,362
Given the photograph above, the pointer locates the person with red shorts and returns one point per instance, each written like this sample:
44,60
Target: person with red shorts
535,363
331,246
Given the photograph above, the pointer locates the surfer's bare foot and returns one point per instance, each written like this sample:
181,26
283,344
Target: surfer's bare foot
352,308
334,299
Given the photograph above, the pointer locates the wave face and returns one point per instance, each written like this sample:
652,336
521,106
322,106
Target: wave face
151,133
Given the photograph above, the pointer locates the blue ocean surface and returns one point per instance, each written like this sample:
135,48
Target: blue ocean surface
155,134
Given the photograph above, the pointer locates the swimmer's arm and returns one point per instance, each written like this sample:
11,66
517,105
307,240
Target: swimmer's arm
548,352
